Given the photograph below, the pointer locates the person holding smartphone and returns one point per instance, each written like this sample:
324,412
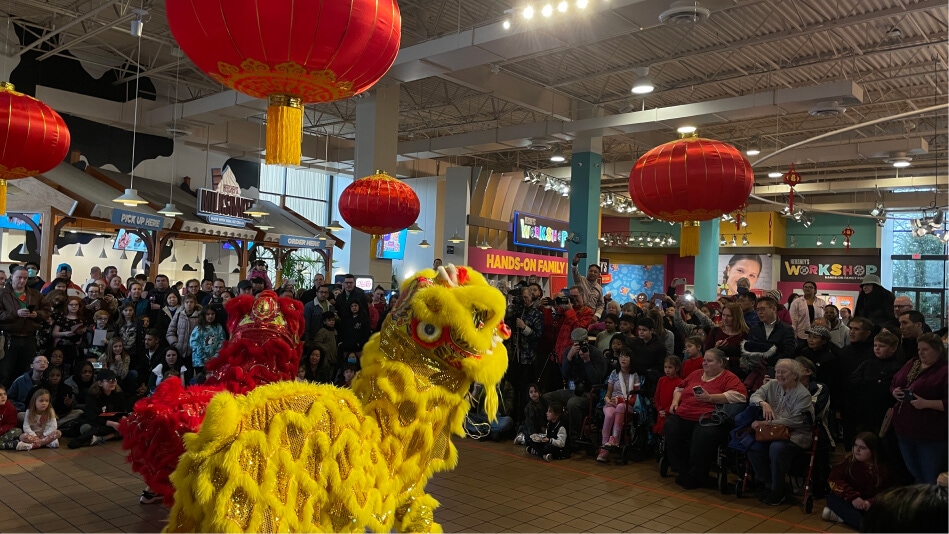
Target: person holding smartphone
589,285
691,447
22,313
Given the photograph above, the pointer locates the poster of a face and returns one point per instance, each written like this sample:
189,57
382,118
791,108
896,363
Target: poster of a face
755,267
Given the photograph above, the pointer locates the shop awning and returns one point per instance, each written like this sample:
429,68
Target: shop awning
93,197
156,193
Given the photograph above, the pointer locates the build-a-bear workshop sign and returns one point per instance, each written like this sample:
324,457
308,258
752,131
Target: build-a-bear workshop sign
224,204
540,232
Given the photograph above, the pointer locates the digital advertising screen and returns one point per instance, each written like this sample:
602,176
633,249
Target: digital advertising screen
391,246
130,242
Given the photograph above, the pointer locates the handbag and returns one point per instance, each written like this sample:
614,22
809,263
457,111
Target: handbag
772,433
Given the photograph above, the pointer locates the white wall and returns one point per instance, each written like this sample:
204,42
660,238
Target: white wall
417,258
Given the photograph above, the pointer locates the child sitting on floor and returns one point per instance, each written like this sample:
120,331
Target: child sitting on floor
856,480
9,424
665,390
39,425
533,415
551,445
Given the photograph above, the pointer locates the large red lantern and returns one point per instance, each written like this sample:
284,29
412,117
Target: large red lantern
292,52
690,180
379,204
34,138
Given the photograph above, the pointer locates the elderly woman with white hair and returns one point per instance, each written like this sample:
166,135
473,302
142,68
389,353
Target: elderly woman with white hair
783,401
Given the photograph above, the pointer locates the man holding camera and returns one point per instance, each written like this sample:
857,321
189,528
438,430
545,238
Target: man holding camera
574,314
590,285
583,366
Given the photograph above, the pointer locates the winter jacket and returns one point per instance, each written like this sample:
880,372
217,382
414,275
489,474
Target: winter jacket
179,330
782,337
800,316
876,306
8,417
19,391
851,479
867,394
327,339
206,342
14,325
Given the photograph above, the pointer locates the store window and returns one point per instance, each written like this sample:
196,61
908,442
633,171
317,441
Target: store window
920,268
307,193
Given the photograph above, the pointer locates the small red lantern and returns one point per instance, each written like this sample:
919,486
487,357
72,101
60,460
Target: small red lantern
791,178
847,232
691,180
35,138
292,52
379,204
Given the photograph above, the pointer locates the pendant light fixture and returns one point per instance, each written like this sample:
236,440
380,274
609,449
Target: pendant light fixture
170,210
415,228
130,197
643,84
24,251
102,254
124,256
256,210
455,238
334,226
262,224
484,245
79,253
424,244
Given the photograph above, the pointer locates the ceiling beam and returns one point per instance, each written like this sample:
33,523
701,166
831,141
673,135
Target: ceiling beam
54,32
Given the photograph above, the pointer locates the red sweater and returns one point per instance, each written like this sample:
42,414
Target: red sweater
663,399
691,409
572,319
851,479
690,366
7,417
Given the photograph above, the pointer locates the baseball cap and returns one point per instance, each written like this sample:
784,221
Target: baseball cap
579,334
105,374
819,331
64,266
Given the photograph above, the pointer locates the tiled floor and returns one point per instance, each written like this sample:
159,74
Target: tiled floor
496,488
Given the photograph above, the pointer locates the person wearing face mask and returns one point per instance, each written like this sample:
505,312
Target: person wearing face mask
33,273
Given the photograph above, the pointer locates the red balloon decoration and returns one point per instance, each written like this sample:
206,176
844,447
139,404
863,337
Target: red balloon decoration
379,204
35,139
293,52
691,180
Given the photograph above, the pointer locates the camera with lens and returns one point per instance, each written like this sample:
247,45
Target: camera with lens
562,301
584,347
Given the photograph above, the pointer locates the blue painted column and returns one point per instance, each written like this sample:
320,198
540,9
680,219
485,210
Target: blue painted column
586,168
707,276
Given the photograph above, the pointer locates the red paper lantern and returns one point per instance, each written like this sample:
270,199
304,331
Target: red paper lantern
791,178
847,233
379,204
691,180
35,139
292,52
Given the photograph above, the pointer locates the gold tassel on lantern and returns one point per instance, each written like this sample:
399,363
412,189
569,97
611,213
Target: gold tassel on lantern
689,241
3,197
284,130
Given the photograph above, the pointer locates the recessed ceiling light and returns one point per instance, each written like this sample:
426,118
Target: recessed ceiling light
775,174
686,129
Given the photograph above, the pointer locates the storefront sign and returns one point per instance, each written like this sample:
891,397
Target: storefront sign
847,269
494,261
137,220
301,242
605,275
540,232
224,204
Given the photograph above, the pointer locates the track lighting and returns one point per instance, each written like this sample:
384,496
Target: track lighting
878,209
833,240
819,242
744,240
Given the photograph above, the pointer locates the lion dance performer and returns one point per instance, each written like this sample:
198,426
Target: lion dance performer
304,458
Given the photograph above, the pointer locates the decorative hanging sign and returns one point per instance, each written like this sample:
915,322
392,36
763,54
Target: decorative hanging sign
791,178
133,219
847,232
540,232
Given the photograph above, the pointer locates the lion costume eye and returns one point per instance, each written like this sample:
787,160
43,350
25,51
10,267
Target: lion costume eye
427,332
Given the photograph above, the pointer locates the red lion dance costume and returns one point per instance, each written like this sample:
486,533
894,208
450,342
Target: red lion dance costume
264,347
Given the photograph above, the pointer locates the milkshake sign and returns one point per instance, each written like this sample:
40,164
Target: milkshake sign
540,232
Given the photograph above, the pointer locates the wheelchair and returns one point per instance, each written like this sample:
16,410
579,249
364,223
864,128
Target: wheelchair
810,468
636,437
723,458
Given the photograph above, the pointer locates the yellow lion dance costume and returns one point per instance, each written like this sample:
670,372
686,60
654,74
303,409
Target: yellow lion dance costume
300,457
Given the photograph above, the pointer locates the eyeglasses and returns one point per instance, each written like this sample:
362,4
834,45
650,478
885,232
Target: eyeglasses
109,380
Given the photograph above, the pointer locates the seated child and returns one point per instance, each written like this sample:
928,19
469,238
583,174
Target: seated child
693,356
665,390
552,444
9,424
856,480
533,415
39,425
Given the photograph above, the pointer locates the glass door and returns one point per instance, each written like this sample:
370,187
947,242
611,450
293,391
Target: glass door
930,302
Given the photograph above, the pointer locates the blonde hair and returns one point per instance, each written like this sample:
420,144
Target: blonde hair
40,418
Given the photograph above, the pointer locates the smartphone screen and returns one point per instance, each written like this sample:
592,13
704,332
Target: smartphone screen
581,254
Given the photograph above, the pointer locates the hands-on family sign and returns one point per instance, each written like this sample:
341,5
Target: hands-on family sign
301,242
137,220
224,204
540,232
494,261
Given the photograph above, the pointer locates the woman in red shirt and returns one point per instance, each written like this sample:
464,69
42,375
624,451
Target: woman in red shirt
690,447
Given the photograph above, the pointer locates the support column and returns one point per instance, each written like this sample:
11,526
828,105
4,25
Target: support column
377,138
586,169
457,205
707,276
